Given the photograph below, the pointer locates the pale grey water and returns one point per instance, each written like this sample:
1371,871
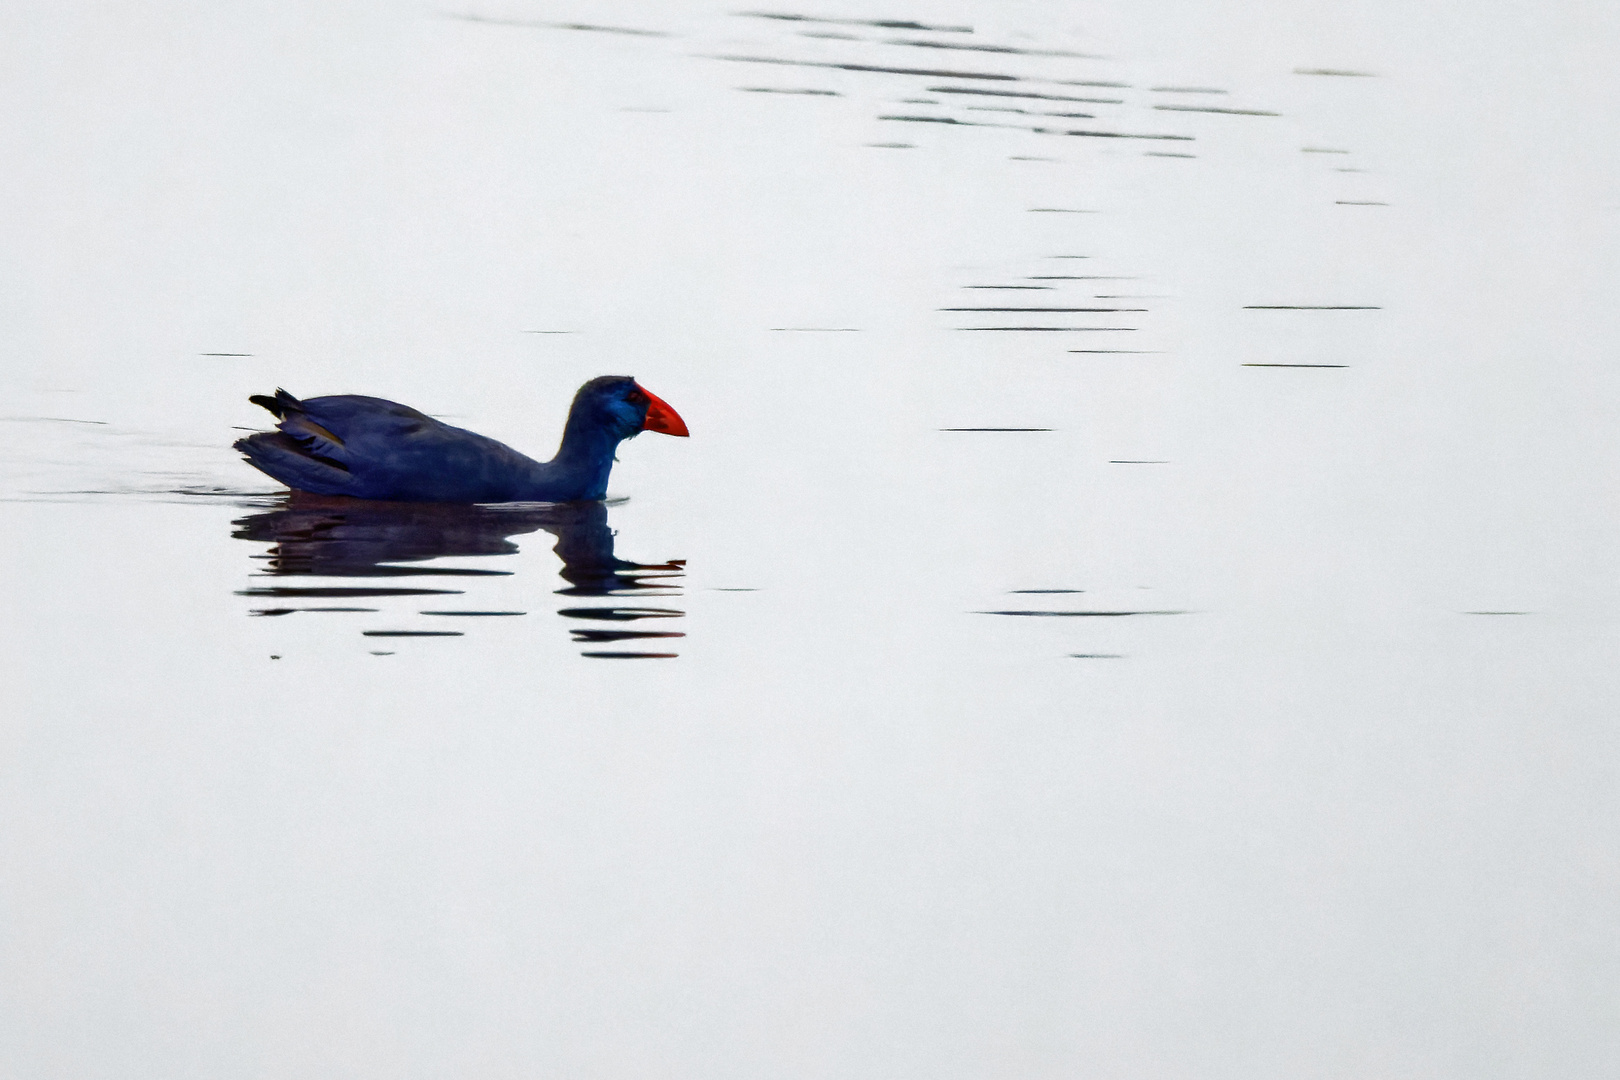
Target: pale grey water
1339,802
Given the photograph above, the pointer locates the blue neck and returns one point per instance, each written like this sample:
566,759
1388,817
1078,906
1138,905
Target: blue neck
585,458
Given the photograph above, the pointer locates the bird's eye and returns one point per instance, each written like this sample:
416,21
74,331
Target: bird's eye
636,397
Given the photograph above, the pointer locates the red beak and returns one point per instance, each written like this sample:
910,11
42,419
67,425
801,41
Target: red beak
660,417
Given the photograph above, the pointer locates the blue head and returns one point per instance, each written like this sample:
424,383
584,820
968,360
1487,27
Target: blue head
615,406
606,411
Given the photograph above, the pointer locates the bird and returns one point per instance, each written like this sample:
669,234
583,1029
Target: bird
372,448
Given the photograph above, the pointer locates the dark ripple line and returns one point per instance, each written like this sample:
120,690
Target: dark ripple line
290,564
1030,112
1020,94
1082,133
928,72
939,120
994,49
604,636
784,90
337,593
1214,109
540,25
412,633
1108,134
883,24
619,614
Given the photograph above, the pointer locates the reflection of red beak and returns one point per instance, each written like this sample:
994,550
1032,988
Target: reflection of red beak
660,417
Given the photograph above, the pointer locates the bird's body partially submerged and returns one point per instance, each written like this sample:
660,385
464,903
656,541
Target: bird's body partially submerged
372,448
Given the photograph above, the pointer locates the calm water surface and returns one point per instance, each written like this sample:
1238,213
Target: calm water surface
1139,599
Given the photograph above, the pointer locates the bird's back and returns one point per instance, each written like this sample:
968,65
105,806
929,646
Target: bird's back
373,448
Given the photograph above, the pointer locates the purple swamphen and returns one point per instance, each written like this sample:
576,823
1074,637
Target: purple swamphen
371,448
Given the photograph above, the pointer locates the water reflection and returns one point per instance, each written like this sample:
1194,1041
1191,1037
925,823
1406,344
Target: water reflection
335,537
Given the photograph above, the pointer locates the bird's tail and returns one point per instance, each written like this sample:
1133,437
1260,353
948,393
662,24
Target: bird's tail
280,405
302,454
280,456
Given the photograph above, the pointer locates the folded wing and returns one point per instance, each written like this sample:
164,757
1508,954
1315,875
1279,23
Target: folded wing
379,449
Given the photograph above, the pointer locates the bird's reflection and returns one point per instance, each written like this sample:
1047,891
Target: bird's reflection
336,537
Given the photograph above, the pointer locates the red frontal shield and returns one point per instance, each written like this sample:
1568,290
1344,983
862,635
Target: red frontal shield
660,417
